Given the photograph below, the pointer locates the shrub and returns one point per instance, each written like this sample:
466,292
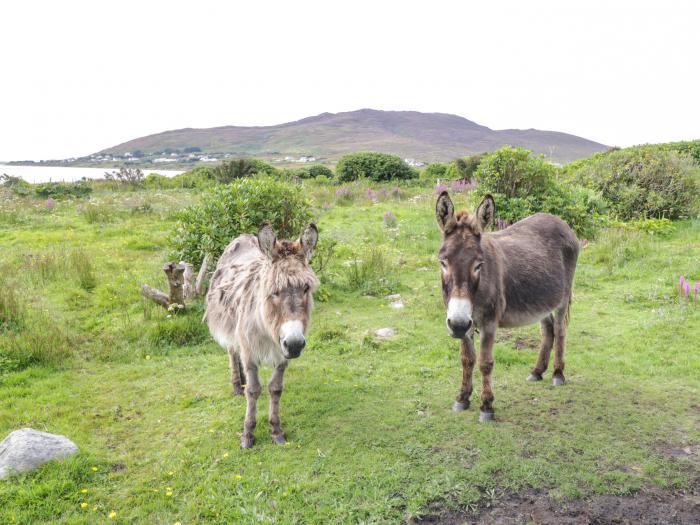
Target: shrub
375,166
319,170
514,173
435,171
643,181
523,184
241,207
466,167
200,177
17,184
58,190
127,176
231,170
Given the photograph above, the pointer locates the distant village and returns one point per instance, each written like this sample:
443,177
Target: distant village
179,158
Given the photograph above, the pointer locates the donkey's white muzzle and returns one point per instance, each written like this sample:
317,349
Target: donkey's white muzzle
459,317
292,339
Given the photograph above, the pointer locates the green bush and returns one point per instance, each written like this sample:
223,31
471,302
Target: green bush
240,207
375,166
435,171
231,170
515,173
319,170
523,184
57,190
642,182
465,168
200,177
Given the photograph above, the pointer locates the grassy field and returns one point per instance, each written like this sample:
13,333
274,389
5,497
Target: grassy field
371,435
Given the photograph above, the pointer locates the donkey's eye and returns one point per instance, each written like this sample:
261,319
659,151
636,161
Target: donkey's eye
477,268
443,263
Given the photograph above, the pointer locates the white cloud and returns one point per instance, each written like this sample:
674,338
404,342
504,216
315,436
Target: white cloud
77,77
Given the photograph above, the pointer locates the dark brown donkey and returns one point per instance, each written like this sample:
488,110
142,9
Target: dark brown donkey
517,276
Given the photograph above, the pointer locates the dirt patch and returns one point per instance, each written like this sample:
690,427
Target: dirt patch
678,451
653,506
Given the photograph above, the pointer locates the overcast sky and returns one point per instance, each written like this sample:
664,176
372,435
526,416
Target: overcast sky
77,77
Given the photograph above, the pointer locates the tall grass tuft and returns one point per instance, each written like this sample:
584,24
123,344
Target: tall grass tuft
373,275
44,267
28,336
83,270
97,213
12,309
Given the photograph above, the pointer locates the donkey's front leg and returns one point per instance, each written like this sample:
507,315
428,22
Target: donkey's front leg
252,393
468,356
275,387
488,334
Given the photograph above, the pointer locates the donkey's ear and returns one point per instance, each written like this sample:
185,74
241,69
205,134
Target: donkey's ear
444,210
267,238
308,240
486,212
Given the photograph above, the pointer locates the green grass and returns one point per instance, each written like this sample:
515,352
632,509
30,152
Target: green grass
371,435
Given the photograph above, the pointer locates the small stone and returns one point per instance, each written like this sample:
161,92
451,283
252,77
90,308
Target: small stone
27,449
397,305
385,332
393,297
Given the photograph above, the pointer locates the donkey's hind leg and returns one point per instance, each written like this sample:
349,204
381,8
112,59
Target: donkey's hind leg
236,371
547,331
560,326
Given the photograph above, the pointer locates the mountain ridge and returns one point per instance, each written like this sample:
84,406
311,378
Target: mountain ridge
411,134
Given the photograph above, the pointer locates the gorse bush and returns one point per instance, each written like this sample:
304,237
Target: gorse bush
374,166
241,207
641,182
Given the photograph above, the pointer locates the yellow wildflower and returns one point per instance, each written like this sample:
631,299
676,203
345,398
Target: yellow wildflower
84,491
83,505
94,469
112,515
238,476
169,493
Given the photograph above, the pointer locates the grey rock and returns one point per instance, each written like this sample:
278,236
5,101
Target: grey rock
385,332
393,297
27,449
397,304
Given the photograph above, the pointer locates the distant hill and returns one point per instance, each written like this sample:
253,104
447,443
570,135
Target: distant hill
422,136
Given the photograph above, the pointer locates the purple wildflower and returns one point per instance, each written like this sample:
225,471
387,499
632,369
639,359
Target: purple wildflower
371,194
463,185
389,218
396,192
440,188
50,204
383,193
696,289
686,289
342,193
681,282
502,224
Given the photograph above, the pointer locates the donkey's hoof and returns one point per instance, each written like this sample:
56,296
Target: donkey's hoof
279,439
485,417
558,380
534,377
247,441
460,406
